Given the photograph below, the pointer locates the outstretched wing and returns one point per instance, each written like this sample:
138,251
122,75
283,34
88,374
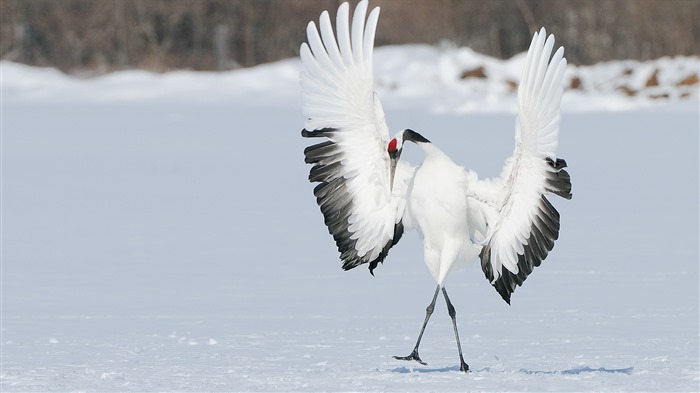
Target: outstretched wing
352,165
522,223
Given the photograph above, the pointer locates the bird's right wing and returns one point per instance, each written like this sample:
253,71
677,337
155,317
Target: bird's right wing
352,165
522,223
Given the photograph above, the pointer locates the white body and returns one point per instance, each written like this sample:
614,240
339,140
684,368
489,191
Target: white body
438,209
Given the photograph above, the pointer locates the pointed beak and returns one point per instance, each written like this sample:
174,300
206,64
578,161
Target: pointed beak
392,171
393,159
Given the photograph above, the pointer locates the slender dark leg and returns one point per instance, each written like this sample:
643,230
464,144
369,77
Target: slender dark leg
428,313
451,310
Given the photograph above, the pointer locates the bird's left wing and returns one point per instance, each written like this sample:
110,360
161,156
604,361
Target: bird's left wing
522,223
352,165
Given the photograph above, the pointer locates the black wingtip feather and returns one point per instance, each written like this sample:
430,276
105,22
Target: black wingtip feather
543,232
321,153
558,179
335,202
321,132
539,243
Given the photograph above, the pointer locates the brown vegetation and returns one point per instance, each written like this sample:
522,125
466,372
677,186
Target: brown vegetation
653,79
102,35
576,83
627,91
479,73
689,80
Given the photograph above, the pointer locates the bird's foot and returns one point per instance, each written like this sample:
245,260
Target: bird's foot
412,356
464,367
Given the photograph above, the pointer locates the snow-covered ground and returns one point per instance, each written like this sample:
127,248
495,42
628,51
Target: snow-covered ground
159,234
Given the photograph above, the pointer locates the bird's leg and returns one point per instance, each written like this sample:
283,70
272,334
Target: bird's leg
453,314
428,313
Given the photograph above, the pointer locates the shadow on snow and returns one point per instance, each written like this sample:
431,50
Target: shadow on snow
408,370
581,370
573,371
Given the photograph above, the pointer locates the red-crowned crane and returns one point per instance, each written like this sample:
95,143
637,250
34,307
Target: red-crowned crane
368,196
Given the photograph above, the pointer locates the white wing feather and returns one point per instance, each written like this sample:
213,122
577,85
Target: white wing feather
340,104
514,204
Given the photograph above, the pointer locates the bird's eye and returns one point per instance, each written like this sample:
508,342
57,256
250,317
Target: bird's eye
392,145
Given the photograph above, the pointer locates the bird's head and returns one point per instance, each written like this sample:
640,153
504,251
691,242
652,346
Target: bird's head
395,148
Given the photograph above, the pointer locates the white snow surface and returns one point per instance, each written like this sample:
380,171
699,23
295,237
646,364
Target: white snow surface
159,234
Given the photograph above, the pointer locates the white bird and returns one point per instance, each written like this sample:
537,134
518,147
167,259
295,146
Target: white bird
368,197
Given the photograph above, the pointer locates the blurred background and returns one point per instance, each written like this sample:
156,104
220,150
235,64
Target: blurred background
98,36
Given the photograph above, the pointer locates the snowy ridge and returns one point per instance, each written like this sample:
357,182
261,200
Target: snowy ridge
446,80
459,80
